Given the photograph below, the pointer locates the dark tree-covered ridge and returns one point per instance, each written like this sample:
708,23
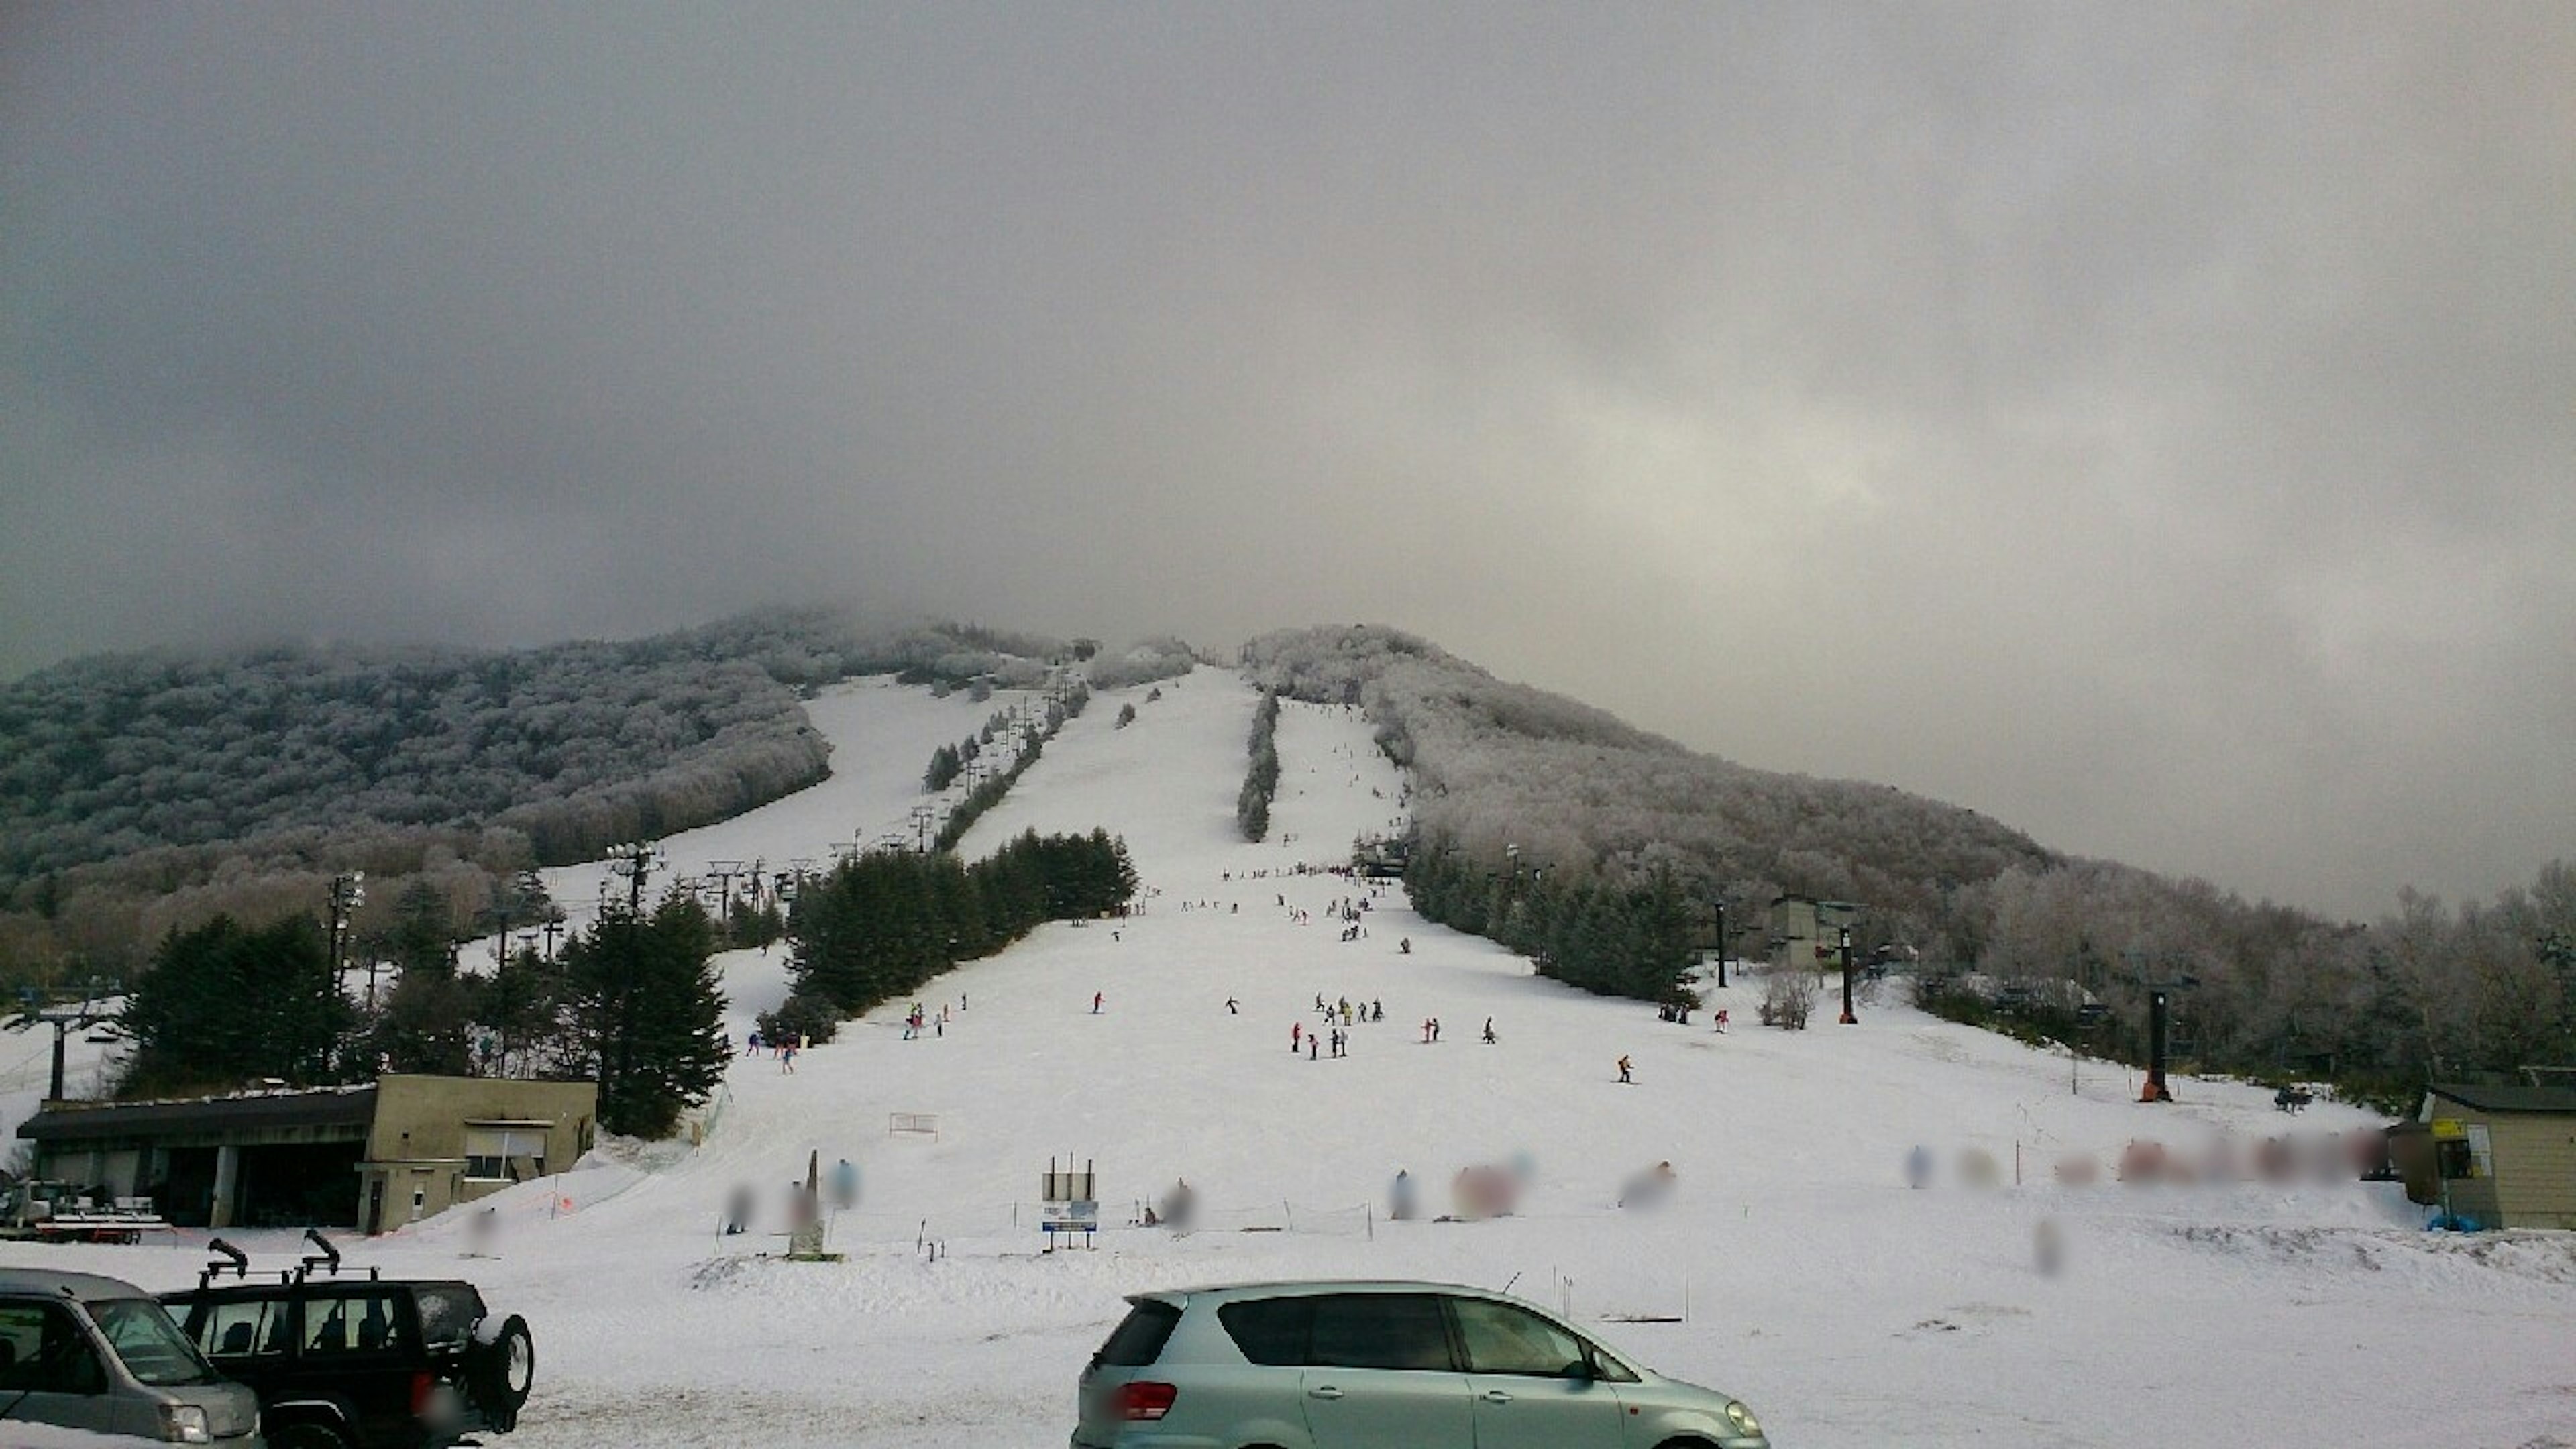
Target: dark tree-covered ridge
145,791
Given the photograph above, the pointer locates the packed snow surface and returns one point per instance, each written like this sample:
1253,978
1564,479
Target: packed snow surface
1791,1265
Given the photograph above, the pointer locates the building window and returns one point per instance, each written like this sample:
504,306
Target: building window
504,1154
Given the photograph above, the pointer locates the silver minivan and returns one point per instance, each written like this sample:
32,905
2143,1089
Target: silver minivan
1380,1365
96,1355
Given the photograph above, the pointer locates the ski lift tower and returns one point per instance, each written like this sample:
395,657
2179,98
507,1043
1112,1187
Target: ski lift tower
65,1015
2159,1008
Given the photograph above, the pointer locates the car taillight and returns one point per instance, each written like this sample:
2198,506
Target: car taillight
1144,1399
421,1385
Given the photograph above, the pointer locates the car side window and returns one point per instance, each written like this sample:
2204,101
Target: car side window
1380,1331
1501,1338
42,1351
1272,1332
245,1328
359,1323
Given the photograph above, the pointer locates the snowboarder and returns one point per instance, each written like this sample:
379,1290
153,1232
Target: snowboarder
1489,1031
1296,1036
1096,999
1623,1068
1230,1007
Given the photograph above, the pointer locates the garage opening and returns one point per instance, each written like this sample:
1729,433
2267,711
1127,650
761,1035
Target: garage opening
304,1185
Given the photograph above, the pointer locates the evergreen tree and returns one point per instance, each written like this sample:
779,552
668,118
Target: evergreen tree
519,1005
223,1005
646,1013
423,1027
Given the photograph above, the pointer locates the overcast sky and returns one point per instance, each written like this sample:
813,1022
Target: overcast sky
2152,426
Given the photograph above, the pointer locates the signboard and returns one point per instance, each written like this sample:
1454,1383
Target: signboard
2445,1128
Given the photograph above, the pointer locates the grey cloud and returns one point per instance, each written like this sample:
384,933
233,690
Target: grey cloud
2150,428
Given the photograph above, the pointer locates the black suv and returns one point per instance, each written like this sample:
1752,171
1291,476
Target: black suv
351,1361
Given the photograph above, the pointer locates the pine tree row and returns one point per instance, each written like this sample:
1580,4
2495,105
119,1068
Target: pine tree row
883,924
1633,940
1261,779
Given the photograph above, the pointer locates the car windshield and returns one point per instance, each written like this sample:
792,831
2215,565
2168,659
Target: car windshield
153,1348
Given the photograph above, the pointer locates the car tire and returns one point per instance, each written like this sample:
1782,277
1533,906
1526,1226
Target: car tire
502,1369
307,1436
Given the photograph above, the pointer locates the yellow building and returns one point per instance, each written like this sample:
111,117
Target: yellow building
372,1157
2504,1157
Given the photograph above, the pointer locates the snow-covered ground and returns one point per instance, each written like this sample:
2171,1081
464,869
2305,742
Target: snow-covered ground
882,736
1792,1266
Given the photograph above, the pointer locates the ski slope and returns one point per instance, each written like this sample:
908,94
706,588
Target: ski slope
1792,1265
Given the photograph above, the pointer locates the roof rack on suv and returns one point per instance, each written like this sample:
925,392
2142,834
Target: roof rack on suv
235,1258
346,1360
328,1259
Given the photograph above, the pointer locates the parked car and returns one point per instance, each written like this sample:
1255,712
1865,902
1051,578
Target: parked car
99,1359
1333,1365
350,1360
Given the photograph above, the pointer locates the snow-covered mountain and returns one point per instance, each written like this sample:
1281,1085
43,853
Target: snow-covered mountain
1792,1265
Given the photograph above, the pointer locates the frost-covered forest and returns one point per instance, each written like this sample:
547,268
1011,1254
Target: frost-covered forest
1567,834
146,792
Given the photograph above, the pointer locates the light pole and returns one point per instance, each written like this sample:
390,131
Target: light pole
635,861
1848,1018
1721,943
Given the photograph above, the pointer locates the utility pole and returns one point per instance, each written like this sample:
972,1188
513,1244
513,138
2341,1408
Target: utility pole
1721,943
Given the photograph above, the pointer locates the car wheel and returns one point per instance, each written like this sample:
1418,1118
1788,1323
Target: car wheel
307,1436
503,1369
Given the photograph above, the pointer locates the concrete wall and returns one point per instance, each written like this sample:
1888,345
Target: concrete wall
424,1126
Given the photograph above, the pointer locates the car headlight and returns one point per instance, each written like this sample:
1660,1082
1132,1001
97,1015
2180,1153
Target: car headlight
184,1424
1742,1418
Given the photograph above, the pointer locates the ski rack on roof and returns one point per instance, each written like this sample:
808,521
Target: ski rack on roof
234,1261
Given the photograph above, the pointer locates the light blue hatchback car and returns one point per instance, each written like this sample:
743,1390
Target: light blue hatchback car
1380,1365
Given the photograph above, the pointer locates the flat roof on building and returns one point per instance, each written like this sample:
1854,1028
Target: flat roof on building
353,1106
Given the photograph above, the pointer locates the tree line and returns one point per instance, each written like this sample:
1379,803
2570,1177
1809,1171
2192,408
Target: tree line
1066,705
144,791
1594,815
1635,940
880,925
1261,777
633,1003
